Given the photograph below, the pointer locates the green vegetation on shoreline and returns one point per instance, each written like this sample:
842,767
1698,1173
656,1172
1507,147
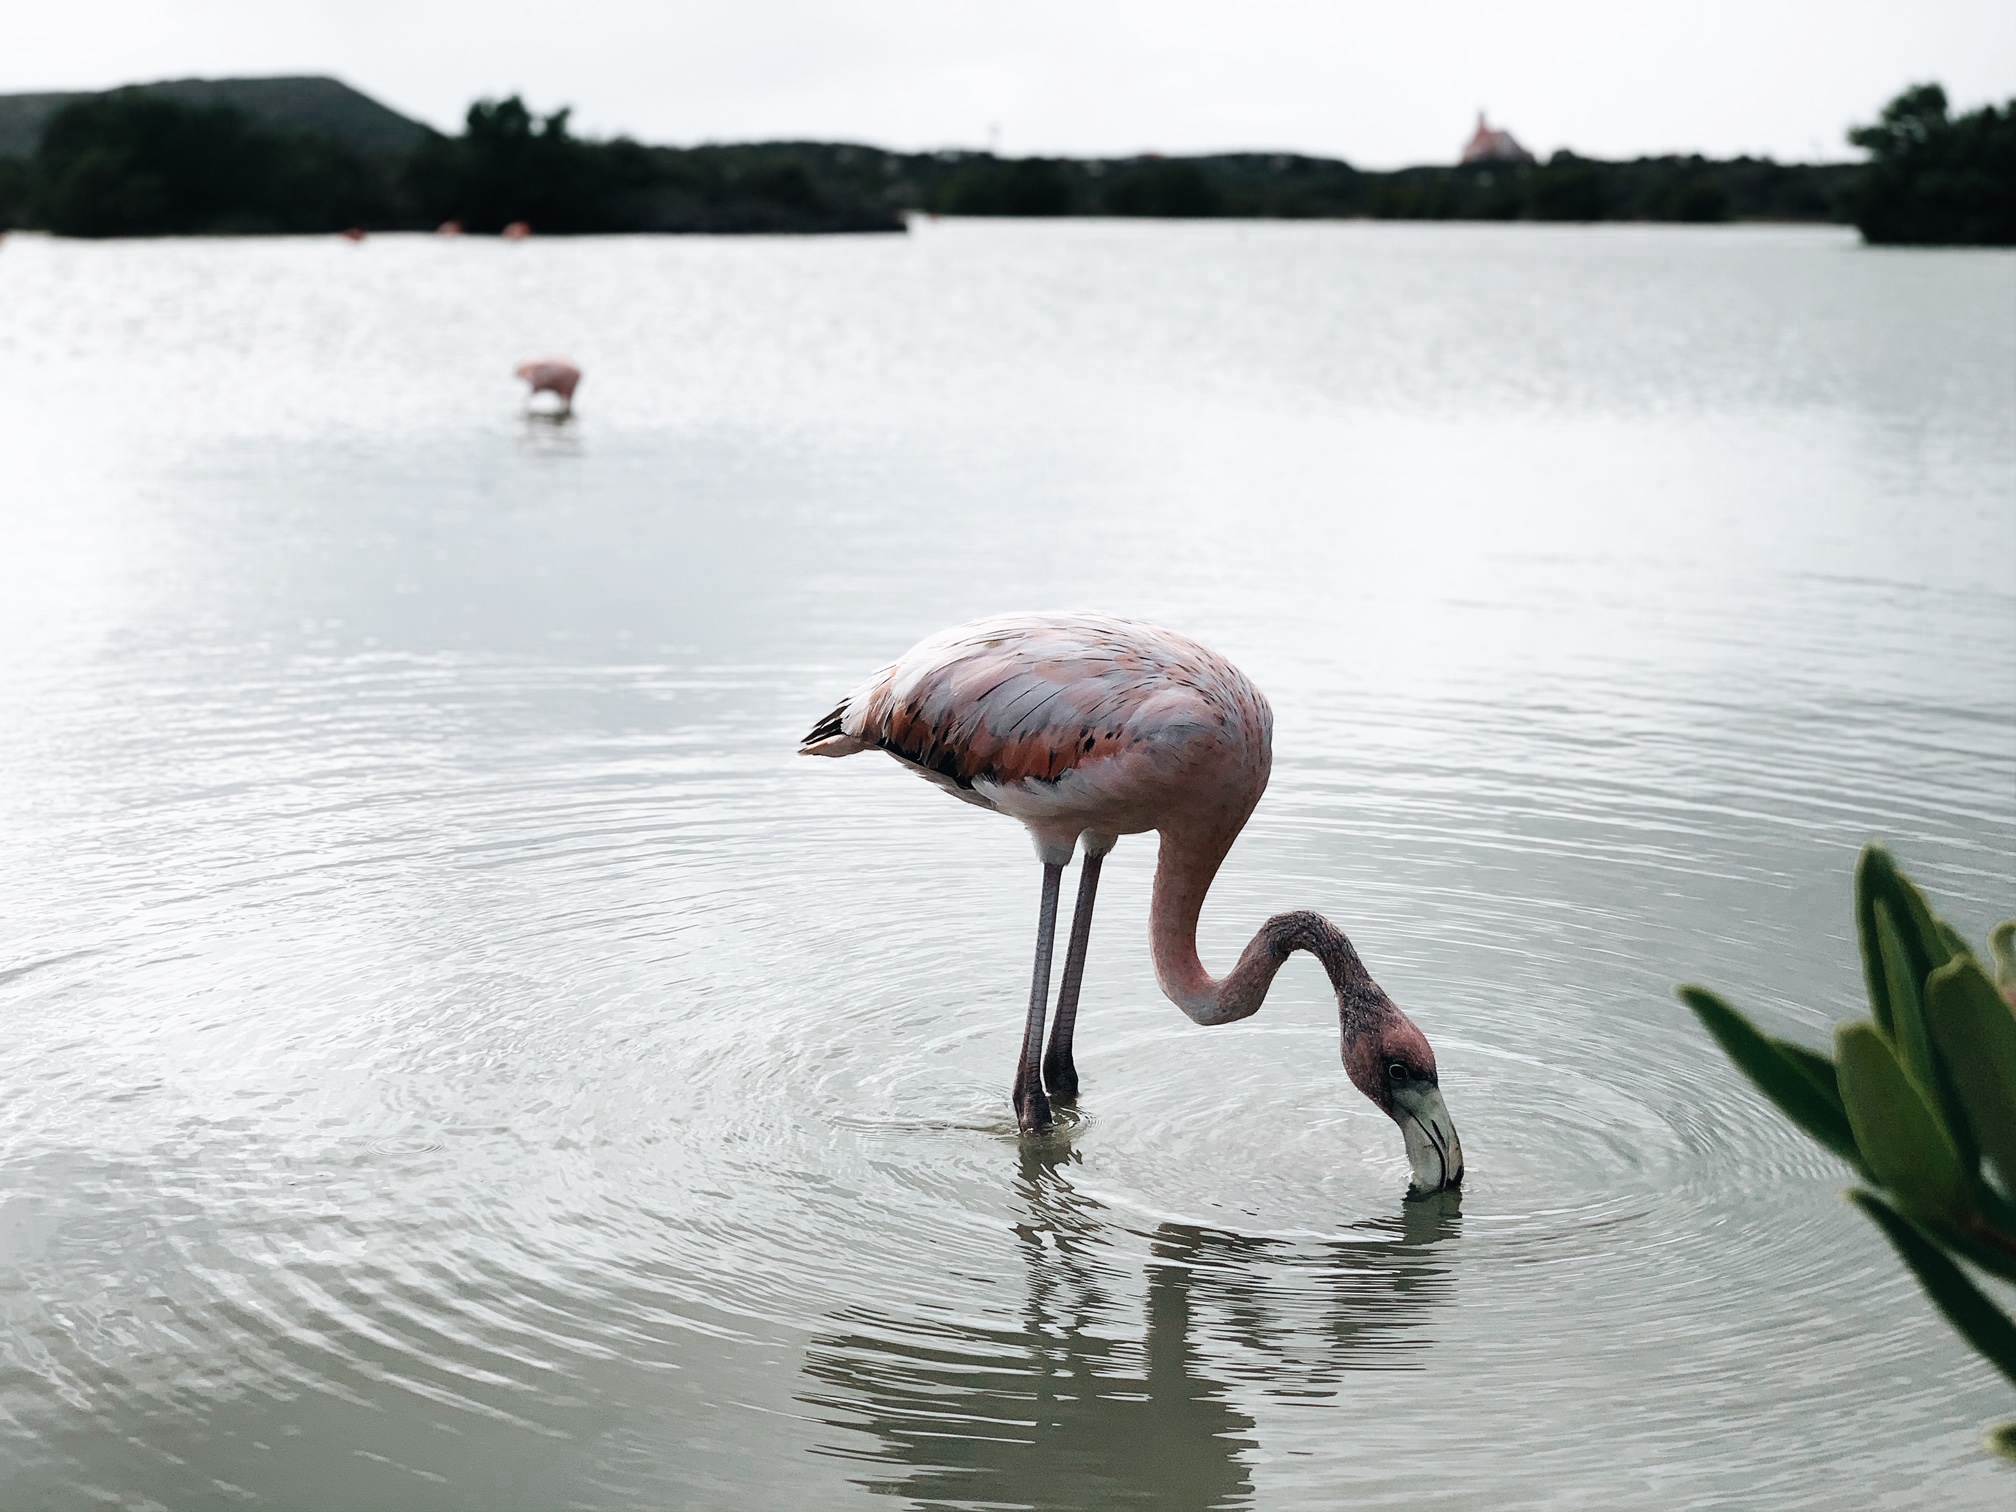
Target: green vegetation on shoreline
217,157
1937,179
1286,186
1919,1099
136,163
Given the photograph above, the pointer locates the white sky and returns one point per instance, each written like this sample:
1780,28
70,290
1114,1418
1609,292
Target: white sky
1379,84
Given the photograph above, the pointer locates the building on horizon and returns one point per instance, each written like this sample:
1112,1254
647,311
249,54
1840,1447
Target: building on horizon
1488,144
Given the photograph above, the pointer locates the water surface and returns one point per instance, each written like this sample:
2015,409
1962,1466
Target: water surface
459,1057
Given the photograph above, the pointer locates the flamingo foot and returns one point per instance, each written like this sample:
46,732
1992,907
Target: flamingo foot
1032,1110
1060,1077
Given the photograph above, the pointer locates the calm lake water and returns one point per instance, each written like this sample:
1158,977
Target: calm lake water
457,1056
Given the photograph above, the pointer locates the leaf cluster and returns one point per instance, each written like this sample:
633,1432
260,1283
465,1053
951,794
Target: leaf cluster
1920,1098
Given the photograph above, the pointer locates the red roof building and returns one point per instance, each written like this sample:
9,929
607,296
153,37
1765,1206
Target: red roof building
1489,145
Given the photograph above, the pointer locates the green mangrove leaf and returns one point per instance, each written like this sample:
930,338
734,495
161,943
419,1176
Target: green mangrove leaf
2002,946
2001,1440
1975,1030
1800,1081
1874,976
1907,1006
1980,1322
1900,1136
1956,942
1977,1243
1928,933
1817,1068
1909,945
1995,1222
1917,932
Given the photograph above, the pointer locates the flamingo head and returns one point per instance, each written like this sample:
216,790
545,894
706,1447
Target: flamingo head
1392,1063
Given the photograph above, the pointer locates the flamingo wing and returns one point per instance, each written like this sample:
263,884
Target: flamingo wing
1029,698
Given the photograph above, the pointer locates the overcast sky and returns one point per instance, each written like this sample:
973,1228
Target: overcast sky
1381,85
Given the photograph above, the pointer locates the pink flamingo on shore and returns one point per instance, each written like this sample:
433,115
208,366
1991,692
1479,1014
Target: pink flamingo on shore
1088,727
551,375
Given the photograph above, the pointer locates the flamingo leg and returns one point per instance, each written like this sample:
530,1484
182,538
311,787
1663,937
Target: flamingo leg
1060,1072
1032,1108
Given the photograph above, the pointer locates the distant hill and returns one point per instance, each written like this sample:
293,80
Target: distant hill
308,103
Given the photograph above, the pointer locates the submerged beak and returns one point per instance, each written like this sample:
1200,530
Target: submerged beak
1433,1149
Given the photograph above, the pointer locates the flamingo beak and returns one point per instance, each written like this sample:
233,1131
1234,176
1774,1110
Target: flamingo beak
1433,1149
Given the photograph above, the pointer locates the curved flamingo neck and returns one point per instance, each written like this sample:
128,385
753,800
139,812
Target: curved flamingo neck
1184,871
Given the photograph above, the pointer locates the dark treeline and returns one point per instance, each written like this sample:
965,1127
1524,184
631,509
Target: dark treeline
510,166
1276,185
1933,178
135,162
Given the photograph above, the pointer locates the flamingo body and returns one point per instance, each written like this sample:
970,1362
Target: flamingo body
551,375
1086,726
1078,724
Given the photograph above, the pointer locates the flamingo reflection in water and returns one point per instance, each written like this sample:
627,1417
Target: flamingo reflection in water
1060,1408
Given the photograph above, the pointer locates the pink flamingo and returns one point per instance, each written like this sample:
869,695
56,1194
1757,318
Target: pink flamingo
1086,726
551,375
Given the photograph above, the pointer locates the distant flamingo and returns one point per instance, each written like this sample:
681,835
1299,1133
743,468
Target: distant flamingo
551,375
1086,725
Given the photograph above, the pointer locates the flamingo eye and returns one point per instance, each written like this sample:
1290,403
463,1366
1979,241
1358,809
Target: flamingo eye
1397,1071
